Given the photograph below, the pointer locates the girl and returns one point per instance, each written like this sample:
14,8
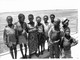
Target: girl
32,36
10,37
21,28
41,34
67,43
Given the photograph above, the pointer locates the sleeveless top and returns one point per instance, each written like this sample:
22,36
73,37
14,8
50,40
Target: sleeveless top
40,28
46,28
21,27
10,34
67,43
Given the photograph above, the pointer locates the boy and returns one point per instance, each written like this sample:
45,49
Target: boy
21,28
54,35
41,36
10,37
67,43
46,28
52,17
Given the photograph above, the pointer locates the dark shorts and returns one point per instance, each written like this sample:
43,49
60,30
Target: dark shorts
41,38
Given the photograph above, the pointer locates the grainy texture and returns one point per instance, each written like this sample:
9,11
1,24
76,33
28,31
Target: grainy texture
72,14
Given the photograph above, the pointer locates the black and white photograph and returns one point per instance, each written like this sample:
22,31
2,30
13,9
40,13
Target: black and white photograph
39,34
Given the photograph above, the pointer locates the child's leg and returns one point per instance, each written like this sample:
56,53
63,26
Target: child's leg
44,46
15,51
48,43
57,50
21,50
41,49
11,52
68,54
51,50
25,50
38,48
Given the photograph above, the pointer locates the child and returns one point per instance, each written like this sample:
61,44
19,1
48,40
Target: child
67,43
21,28
46,28
10,37
41,36
32,36
54,39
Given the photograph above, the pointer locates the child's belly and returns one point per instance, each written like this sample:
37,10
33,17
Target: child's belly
11,38
66,43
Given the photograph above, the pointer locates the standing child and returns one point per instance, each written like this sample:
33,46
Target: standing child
67,43
46,28
21,28
32,36
54,35
10,37
41,36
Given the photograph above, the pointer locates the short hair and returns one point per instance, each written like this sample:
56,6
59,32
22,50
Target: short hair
45,16
57,21
38,17
67,29
52,15
21,15
31,15
9,17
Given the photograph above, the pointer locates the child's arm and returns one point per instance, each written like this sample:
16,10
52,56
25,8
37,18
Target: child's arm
4,36
49,34
61,42
74,42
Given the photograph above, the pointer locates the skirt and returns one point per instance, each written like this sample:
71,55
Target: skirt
22,39
32,42
67,54
11,40
41,38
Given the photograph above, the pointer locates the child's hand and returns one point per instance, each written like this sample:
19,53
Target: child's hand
75,43
23,31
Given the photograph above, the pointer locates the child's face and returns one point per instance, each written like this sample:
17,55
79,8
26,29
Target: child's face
30,18
9,20
52,17
38,20
21,19
45,18
67,32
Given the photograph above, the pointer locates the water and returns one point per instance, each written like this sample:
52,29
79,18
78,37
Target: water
72,15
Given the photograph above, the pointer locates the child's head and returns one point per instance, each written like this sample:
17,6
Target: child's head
45,18
65,22
38,19
57,22
21,17
30,17
52,17
67,31
9,20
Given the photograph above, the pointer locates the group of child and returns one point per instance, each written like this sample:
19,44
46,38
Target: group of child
34,36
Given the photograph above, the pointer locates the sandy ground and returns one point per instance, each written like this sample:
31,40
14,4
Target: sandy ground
72,15
74,50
